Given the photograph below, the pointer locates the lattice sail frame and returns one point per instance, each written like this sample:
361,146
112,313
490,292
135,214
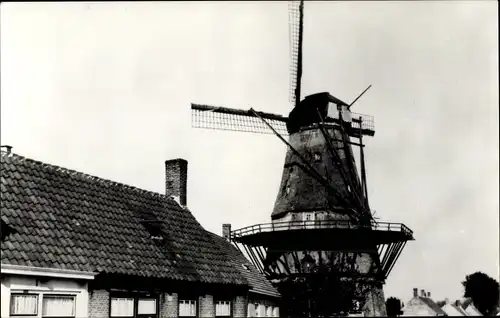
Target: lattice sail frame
232,119
222,118
294,21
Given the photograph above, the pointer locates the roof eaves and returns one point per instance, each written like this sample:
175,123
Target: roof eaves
264,292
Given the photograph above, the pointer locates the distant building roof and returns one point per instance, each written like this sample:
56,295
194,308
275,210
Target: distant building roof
471,310
453,310
257,281
70,220
431,304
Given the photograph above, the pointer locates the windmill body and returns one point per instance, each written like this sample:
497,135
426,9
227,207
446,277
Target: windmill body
302,200
323,249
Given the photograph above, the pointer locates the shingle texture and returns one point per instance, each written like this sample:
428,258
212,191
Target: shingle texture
70,220
256,280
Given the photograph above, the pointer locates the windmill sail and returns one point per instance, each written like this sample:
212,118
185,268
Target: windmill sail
295,23
222,118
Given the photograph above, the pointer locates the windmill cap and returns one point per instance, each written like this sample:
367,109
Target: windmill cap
326,96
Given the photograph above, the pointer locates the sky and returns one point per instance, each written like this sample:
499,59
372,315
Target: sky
105,89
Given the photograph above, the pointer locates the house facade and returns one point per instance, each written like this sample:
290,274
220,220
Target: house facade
422,305
81,246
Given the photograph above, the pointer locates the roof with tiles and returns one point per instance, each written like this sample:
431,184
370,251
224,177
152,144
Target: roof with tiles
431,304
67,219
257,281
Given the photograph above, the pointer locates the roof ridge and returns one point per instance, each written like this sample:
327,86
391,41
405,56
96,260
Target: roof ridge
87,176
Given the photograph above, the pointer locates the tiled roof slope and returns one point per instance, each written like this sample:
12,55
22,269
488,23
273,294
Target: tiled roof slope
257,281
70,220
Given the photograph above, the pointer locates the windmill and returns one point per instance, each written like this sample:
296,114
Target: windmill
323,248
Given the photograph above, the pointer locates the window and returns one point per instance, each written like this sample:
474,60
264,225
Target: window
269,311
251,310
187,308
133,305
122,307
223,309
276,312
24,304
309,216
256,310
146,306
58,306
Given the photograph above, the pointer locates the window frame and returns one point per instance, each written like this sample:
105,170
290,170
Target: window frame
196,306
225,301
36,314
136,296
72,296
139,298
124,296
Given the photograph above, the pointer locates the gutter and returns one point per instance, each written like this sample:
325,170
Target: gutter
46,272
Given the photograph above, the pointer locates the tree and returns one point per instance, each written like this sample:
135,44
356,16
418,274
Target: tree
484,292
394,306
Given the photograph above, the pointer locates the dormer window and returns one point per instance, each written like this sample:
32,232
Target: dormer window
154,229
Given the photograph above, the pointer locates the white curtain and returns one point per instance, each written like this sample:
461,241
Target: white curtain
258,311
251,310
24,304
269,311
122,307
223,308
146,307
187,308
276,312
58,306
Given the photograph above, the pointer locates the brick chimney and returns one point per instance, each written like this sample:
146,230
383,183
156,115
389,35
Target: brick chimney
415,292
428,294
422,293
226,231
8,149
176,180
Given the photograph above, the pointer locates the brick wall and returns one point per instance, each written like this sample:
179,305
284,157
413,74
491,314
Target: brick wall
169,306
240,306
98,304
176,179
206,306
